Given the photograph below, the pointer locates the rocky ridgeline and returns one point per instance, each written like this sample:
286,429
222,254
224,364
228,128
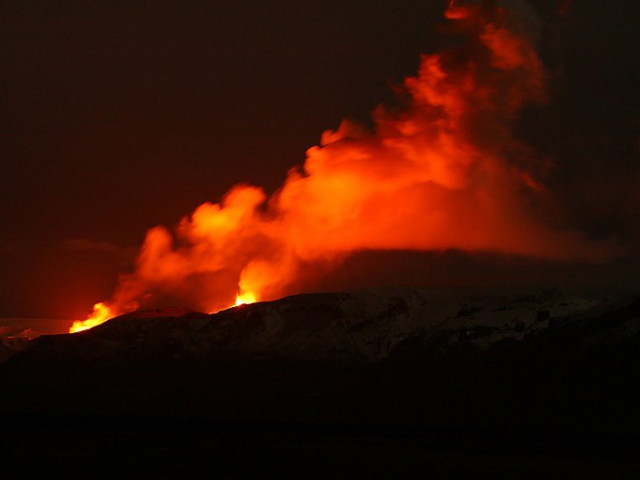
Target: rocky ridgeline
361,326
441,357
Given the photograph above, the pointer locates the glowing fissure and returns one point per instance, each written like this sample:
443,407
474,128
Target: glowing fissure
100,314
445,172
243,299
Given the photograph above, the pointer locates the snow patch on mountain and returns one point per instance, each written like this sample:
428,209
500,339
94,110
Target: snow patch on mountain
355,326
368,325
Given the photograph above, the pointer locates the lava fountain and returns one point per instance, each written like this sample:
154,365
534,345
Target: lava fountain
100,314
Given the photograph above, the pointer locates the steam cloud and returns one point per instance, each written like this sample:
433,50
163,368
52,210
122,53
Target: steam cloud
443,172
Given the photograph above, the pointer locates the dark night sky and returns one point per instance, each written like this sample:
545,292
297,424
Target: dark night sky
117,116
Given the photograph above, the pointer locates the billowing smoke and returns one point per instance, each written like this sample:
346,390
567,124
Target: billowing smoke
445,171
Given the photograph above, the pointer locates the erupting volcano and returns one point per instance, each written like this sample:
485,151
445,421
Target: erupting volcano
443,171
446,286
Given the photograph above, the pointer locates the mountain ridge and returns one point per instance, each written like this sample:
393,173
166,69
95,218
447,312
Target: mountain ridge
447,358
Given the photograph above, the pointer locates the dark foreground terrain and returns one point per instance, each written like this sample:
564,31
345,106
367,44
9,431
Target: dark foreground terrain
383,384
125,447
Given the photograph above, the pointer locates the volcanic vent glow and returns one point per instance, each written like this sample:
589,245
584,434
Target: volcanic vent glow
100,314
445,172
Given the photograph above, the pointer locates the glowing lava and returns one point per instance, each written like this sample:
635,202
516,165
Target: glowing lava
101,313
244,298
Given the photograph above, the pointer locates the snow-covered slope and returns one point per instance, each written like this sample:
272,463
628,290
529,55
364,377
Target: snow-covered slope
369,324
361,326
449,357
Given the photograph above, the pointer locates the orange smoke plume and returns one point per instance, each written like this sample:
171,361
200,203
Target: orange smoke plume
444,172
